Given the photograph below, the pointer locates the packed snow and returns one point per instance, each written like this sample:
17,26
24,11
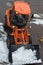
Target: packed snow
37,15
3,46
3,52
23,56
37,20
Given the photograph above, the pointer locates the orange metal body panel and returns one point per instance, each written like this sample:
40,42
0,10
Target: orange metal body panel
21,34
21,7
8,16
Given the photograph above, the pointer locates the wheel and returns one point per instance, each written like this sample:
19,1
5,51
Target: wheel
30,40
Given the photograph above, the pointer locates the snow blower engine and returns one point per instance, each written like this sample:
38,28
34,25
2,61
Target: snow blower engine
15,25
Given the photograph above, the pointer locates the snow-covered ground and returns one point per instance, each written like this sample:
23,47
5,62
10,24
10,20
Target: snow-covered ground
3,46
23,56
3,52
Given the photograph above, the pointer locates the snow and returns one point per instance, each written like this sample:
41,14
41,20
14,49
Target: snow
1,23
23,56
37,20
1,28
8,4
36,15
2,32
3,52
3,46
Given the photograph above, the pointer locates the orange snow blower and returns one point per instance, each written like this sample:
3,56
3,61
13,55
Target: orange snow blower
15,25
16,19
